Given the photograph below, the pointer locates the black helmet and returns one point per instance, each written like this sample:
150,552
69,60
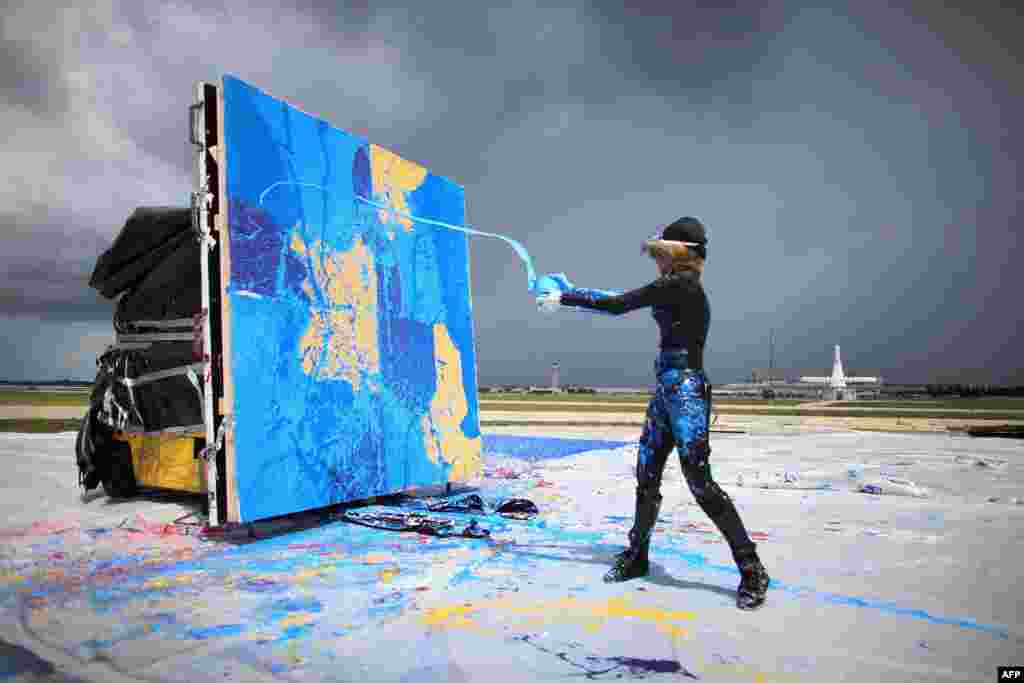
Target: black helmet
687,229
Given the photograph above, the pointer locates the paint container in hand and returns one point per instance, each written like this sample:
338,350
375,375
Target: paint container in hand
552,283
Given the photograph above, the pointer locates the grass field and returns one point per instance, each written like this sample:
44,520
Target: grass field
562,398
1003,408
20,397
623,398
780,411
39,426
81,398
983,403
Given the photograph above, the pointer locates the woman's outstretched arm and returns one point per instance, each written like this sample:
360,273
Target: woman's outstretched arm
617,304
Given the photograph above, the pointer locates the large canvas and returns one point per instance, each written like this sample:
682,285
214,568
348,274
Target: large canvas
349,363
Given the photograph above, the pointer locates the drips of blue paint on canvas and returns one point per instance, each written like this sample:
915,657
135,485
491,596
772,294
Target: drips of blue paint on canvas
352,353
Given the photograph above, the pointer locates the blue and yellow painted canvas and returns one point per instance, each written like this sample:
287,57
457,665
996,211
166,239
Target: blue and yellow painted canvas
350,353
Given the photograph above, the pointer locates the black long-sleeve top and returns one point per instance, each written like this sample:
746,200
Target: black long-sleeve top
678,304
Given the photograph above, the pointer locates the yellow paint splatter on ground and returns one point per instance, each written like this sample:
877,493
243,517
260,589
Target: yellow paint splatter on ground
375,558
450,617
314,572
673,630
591,614
169,581
298,619
386,575
12,578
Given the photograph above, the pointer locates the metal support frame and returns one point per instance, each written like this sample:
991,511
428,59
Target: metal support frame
201,199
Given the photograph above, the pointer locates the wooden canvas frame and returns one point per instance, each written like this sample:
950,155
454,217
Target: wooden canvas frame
206,134
455,452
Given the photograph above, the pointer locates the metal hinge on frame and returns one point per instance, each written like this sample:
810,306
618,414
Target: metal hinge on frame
196,120
202,231
203,199
218,442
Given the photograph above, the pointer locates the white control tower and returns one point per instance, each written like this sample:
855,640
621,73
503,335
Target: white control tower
838,379
838,382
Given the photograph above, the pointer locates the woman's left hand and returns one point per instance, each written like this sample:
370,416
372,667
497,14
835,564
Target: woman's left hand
549,302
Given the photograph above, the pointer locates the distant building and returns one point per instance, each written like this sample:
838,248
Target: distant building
554,377
762,375
781,383
838,383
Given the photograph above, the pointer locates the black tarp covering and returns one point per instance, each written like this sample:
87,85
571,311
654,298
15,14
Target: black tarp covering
171,401
143,242
92,449
153,268
149,406
169,291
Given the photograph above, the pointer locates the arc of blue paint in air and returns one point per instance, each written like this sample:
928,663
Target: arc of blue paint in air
524,255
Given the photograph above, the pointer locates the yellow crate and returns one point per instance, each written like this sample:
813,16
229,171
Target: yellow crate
166,462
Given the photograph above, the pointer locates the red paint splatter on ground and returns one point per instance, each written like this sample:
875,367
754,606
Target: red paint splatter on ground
502,473
141,527
41,528
702,528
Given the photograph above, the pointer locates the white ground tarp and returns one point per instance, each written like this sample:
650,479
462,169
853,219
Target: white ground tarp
866,586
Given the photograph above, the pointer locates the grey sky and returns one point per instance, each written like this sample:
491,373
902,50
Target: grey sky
857,167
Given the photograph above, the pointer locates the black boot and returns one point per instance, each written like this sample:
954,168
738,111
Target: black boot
633,562
754,582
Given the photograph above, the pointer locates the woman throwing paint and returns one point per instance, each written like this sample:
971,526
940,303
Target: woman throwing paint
678,413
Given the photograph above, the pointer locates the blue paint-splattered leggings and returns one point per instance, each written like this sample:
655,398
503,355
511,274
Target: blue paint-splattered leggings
678,417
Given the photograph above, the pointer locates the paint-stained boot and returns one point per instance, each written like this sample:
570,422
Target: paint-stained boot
633,562
754,582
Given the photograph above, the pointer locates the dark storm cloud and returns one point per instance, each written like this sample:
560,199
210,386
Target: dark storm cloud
26,80
858,167
688,48
51,281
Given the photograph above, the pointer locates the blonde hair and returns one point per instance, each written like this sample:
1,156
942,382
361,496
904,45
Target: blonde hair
682,257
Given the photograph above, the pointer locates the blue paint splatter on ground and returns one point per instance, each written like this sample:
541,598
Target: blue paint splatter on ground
699,561
123,579
216,631
281,608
